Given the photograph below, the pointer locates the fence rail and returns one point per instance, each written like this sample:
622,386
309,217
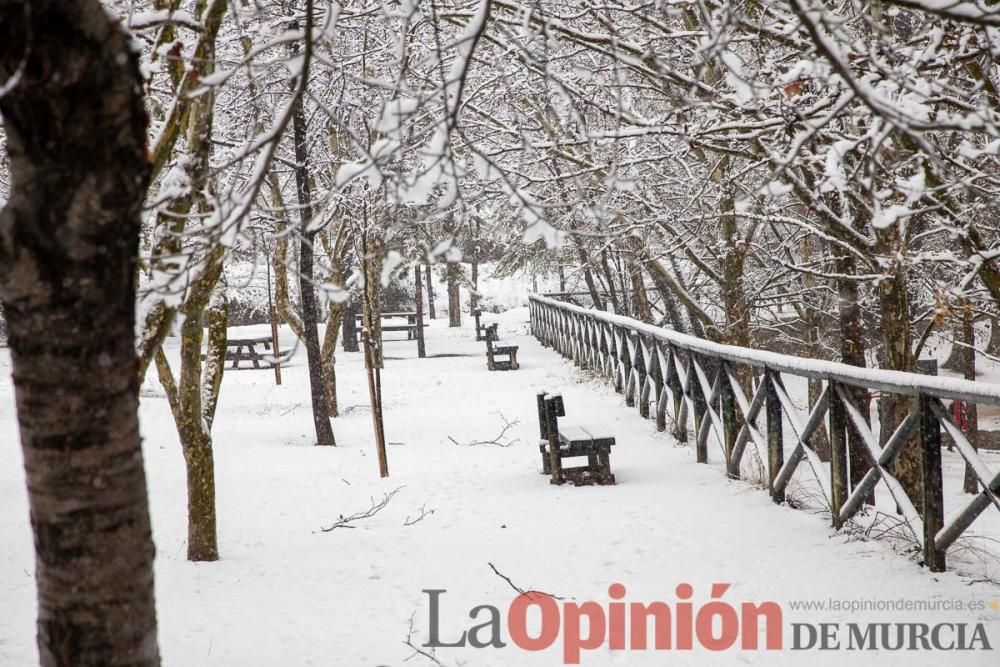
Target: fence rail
706,385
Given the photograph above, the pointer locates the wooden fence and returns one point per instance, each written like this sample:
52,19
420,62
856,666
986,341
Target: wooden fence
705,384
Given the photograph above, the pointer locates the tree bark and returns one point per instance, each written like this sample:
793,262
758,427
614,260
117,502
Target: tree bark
898,356
69,238
307,291
335,252
970,483
454,300
993,346
430,294
372,306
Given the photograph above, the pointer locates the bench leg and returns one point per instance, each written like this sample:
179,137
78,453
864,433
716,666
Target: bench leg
236,357
604,475
552,428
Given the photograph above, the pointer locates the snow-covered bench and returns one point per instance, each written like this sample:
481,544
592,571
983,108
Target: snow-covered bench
570,441
245,350
500,348
480,327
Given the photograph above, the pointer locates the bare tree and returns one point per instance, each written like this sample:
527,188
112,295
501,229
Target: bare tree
76,127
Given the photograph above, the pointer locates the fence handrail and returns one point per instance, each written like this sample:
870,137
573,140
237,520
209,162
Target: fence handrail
898,382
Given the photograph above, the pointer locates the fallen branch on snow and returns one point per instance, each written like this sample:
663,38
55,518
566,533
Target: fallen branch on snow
418,651
424,513
497,441
376,507
518,588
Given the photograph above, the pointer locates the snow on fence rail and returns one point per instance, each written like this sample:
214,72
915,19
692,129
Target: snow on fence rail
664,370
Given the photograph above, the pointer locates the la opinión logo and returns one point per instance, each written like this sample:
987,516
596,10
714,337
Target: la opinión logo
716,625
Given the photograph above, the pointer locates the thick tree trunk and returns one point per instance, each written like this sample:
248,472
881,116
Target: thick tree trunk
454,300
69,238
852,351
307,291
898,356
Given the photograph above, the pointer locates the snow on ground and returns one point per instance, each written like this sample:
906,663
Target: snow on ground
286,593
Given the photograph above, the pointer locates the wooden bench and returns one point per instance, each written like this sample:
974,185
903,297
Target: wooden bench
410,327
569,442
246,351
500,348
480,327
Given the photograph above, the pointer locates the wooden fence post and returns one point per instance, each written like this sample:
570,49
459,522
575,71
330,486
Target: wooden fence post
730,427
838,454
933,498
673,381
775,435
694,389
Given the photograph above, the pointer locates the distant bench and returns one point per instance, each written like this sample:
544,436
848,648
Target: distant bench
557,444
496,350
246,350
480,327
410,327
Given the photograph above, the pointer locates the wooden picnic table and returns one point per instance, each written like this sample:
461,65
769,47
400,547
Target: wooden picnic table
410,327
410,316
246,351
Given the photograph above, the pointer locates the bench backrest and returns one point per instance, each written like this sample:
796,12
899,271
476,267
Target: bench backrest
546,402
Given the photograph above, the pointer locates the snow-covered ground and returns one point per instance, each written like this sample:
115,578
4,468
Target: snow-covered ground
287,593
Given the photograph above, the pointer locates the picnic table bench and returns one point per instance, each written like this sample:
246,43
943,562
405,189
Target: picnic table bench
500,348
246,350
572,441
410,327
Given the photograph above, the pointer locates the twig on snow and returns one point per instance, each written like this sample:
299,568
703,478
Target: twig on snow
375,508
424,513
497,441
418,651
518,588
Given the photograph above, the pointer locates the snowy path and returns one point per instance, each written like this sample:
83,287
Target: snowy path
285,593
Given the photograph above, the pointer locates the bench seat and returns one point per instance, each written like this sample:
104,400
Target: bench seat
584,437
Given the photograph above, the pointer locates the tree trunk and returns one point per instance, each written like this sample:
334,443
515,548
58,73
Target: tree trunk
956,355
372,307
474,291
69,238
970,485
454,300
430,294
419,299
993,347
899,357
852,351
307,291
335,252
639,297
